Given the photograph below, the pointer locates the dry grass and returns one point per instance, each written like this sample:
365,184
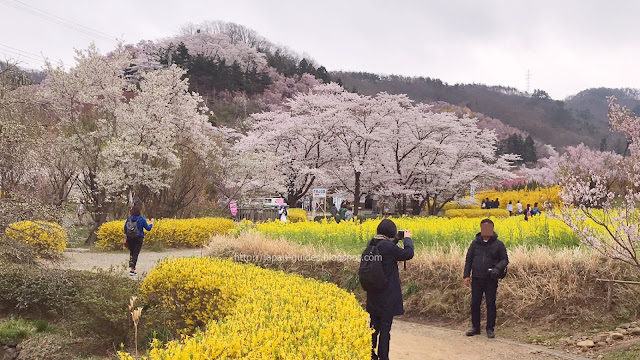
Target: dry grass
255,244
543,285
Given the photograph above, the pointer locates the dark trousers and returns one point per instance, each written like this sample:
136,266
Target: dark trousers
381,337
488,287
135,245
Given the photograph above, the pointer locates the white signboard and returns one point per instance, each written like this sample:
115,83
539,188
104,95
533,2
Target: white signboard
473,192
319,193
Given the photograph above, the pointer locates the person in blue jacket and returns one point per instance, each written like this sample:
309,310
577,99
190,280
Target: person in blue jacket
134,229
536,210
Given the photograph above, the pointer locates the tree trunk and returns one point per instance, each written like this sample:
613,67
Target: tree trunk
99,216
416,207
292,199
93,237
433,209
403,211
356,195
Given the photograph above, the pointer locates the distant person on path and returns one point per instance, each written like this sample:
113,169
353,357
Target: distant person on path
487,203
518,208
483,205
496,204
383,305
510,208
527,212
535,210
283,213
134,229
80,211
334,212
348,215
342,213
486,262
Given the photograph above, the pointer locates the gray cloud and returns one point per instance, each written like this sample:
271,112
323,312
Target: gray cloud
567,45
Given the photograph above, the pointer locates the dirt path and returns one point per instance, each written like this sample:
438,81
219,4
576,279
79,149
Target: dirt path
104,260
409,341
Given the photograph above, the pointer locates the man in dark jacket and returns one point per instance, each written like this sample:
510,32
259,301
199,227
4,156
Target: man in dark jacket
384,305
486,261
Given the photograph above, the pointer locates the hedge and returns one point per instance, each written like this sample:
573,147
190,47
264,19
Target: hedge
261,314
167,232
47,239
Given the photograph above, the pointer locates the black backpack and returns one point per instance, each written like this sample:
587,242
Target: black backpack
371,274
131,229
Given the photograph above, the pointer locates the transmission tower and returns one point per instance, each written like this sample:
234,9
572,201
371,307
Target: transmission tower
528,78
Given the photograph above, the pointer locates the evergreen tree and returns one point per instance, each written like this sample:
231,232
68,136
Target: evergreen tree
603,144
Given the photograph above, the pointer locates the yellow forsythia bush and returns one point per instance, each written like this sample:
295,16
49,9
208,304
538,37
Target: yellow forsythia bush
196,291
297,215
476,213
261,314
456,205
167,232
48,239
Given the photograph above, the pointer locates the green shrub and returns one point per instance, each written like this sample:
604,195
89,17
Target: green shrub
100,306
16,252
39,292
95,303
13,331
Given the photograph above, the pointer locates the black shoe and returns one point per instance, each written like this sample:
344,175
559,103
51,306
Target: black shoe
374,356
490,334
473,331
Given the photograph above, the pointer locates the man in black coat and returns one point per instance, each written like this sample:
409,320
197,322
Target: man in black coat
486,260
384,305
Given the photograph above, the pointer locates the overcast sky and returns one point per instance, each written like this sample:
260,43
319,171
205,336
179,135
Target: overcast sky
567,46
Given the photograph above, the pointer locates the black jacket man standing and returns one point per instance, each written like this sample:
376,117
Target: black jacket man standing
486,262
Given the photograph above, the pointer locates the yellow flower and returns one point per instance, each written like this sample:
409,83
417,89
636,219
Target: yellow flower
254,313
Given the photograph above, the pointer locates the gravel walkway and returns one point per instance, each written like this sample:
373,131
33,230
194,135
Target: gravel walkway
409,341
89,260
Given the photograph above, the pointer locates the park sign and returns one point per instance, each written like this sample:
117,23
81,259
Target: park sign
233,206
319,193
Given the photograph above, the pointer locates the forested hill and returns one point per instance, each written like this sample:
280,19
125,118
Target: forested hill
591,105
582,118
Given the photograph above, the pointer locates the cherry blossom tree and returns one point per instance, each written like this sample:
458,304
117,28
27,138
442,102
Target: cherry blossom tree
359,143
546,170
19,132
462,155
298,136
129,137
247,174
383,144
601,191
215,46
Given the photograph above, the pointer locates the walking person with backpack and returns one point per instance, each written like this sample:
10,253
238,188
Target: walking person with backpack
380,278
486,262
134,229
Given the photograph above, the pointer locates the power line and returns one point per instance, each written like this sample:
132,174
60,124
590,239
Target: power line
67,20
55,19
22,51
7,51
